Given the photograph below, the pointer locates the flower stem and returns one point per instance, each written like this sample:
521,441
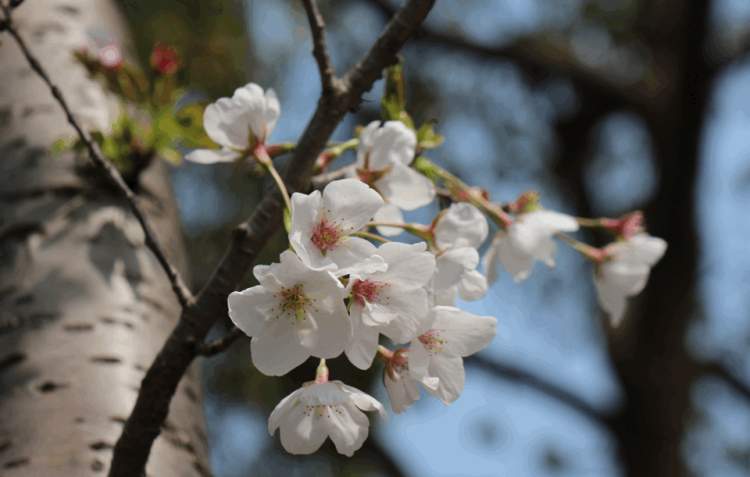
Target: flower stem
415,229
461,192
261,154
321,374
586,222
592,253
371,236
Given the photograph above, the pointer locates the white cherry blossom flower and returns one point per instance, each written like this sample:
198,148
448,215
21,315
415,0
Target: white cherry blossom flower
400,383
322,224
456,275
317,411
294,313
383,159
528,238
393,301
238,124
461,225
439,351
625,271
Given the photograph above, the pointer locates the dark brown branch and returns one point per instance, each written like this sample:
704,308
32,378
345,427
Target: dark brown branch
721,371
184,296
160,382
220,345
317,28
510,373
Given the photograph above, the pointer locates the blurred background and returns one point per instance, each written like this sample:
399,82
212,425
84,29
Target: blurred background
603,106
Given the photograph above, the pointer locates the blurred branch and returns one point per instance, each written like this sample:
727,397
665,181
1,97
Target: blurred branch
739,51
160,382
220,345
183,294
511,373
537,55
317,28
720,370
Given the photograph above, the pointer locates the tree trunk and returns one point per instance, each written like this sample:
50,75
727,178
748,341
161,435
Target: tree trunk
84,306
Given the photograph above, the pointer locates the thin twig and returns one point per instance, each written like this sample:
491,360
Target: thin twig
178,351
320,52
180,289
720,370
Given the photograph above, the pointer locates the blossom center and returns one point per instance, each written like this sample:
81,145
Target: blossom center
294,301
323,410
432,341
325,236
366,291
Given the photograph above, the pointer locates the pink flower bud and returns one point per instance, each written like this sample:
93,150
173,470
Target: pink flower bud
165,60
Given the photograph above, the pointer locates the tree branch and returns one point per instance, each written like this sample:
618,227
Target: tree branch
161,380
721,371
317,28
184,296
220,345
510,373
536,55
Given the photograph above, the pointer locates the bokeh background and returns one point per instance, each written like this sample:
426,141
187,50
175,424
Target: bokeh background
603,106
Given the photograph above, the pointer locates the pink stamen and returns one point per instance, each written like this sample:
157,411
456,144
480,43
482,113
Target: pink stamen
325,236
366,291
432,341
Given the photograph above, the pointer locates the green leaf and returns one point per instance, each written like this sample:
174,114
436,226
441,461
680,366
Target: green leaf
427,138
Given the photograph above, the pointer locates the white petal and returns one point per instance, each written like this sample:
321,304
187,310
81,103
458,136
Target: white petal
351,251
551,221
462,225
450,372
277,350
333,329
405,187
249,309
348,428
390,214
464,332
363,345
402,393
301,433
516,261
409,265
281,410
410,311
350,204
392,143
261,110
212,156
366,137
305,210
226,124
641,249
451,266
612,300
363,400
472,286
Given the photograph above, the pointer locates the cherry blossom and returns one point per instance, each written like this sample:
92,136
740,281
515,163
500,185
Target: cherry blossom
461,225
456,275
400,384
295,312
383,159
438,352
238,124
323,224
317,411
393,301
528,238
625,271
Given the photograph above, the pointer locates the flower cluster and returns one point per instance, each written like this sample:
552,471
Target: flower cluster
340,288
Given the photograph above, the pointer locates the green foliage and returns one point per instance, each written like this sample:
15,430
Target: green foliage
393,108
